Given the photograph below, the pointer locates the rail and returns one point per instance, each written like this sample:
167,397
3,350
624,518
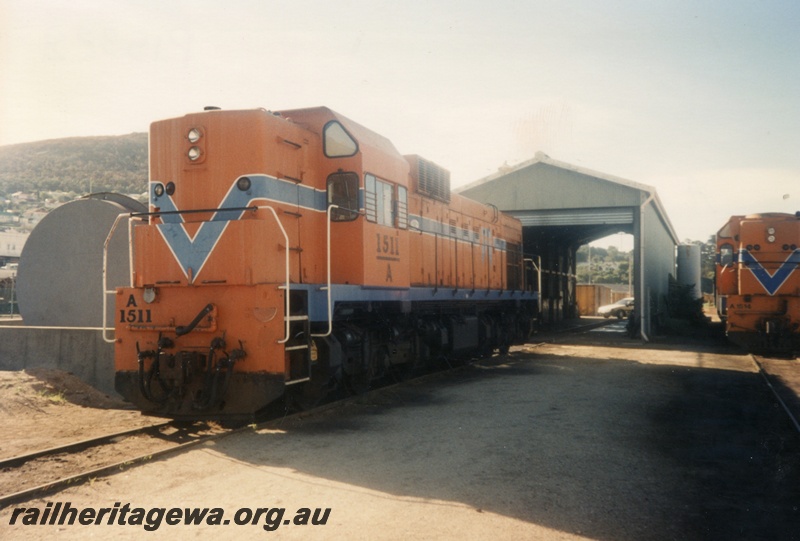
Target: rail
777,395
73,473
13,462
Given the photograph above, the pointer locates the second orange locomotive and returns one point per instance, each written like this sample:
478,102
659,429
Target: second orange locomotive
758,281
299,250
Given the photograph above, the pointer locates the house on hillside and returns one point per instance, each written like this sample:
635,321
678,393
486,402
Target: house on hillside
32,217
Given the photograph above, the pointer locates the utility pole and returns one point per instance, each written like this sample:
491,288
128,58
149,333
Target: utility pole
630,274
590,264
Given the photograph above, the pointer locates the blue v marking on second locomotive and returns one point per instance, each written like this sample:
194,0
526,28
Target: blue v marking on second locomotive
770,282
191,253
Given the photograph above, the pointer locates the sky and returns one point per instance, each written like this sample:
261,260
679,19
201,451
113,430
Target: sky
700,100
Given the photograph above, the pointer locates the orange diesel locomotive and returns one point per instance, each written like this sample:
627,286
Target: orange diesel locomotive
758,281
298,252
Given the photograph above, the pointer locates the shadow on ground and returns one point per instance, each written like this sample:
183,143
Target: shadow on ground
609,449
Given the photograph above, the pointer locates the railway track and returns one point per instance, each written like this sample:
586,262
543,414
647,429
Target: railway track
43,472
82,461
759,363
46,471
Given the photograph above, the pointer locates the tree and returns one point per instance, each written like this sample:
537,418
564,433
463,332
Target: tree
608,266
708,255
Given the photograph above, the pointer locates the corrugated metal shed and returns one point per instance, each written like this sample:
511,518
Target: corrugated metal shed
562,206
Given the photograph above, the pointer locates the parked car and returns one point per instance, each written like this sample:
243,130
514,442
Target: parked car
620,309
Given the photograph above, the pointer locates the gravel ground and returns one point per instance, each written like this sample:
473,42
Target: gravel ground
43,408
594,437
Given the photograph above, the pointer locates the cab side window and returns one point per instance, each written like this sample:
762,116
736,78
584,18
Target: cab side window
343,192
379,201
402,207
726,254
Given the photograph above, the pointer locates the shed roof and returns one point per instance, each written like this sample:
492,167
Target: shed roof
542,186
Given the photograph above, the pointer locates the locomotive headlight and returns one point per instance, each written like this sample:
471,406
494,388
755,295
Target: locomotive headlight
771,231
771,238
194,153
194,135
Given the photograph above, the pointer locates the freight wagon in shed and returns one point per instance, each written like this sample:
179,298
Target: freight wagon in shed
563,207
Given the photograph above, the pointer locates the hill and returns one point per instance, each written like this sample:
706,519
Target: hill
76,164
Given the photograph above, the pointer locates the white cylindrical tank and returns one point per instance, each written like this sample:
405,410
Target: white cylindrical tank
689,269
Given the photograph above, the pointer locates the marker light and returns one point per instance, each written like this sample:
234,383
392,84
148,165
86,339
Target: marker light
158,190
243,184
149,295
194,135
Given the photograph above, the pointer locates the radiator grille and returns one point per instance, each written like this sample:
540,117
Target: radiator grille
433,181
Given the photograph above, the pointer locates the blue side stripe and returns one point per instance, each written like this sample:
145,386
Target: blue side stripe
435,227
193,252
262,187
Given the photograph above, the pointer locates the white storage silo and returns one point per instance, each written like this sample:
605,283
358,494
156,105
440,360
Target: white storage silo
689,269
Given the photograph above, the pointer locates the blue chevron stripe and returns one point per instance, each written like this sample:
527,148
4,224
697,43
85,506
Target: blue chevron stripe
191,253
770,282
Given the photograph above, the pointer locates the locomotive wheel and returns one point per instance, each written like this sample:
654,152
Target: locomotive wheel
401,372
361,381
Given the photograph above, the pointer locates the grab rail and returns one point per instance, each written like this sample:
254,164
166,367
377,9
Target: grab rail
287,287
106,291
328,287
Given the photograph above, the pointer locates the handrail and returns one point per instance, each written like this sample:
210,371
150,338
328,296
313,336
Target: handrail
287,287
328,287
537,265
106,291
159,213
